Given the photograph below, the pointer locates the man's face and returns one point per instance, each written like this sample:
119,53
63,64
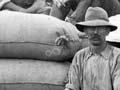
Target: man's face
97,34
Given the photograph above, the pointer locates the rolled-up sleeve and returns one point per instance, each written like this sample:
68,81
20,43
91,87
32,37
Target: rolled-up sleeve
3,2
73,76
116,75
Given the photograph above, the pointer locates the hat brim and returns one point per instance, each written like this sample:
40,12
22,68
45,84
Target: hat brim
81,25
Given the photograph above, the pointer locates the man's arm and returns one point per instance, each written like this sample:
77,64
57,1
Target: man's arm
37,5
12,6
116,75
60,8
79,13
74,75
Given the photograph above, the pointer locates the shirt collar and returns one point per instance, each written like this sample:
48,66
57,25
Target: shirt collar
106,53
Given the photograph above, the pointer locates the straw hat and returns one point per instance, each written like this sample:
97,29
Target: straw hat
95,16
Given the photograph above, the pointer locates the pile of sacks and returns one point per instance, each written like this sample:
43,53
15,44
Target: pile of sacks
36,48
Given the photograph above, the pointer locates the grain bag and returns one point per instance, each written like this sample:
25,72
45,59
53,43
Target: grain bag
30,86
34,36
31,71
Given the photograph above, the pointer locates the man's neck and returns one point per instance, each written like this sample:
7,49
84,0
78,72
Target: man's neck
100,48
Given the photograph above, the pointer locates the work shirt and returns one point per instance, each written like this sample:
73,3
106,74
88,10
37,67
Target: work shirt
91,71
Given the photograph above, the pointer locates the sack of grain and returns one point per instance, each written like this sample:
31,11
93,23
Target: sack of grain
37,36
31,71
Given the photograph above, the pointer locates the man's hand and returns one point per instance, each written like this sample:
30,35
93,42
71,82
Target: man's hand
59,3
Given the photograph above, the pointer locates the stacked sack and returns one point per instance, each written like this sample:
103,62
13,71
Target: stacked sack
35,48
34,36
114,37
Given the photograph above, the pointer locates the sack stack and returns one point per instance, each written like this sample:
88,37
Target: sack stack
34,48
33,36
26,74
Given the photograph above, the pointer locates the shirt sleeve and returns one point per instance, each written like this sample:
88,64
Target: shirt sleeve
74,75
116,75
3,2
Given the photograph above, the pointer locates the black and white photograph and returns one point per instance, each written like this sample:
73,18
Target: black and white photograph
59,44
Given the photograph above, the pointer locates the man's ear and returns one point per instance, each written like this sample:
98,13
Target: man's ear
85,31
108,31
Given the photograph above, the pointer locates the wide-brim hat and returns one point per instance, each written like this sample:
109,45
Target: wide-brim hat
95,16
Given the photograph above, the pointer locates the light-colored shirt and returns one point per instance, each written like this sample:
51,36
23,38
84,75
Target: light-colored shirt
3,2
91,71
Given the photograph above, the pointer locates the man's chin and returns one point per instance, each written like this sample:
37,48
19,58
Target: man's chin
96,43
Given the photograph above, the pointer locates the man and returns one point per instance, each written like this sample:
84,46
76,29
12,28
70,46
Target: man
96,67
61,8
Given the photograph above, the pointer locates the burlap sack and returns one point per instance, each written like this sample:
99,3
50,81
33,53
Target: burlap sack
30,86
31,71
33,36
